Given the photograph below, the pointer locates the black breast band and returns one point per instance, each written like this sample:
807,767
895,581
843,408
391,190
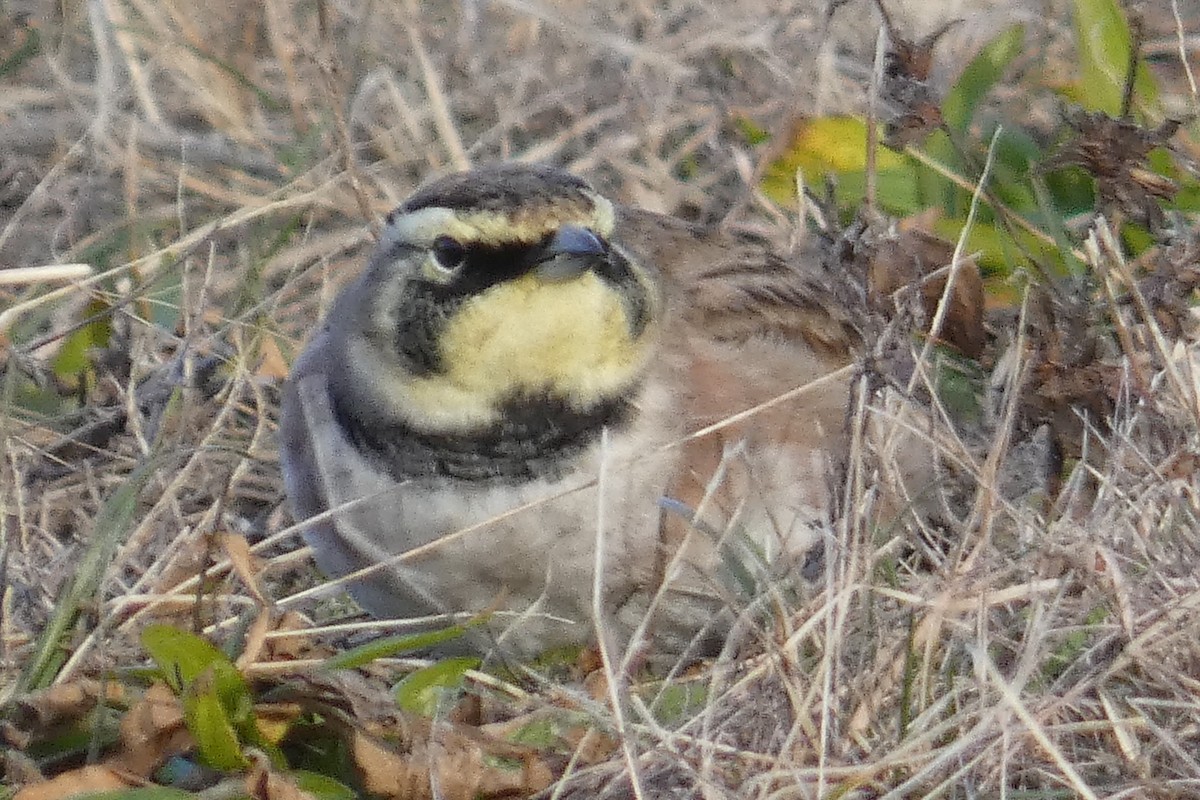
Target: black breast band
536,438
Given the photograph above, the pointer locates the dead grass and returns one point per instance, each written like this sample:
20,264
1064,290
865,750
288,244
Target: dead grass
220,168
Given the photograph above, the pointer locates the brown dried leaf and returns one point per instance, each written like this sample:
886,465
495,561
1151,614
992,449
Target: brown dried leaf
85,780
151,732
256,638
63,703
920,256
272,364
905,88
289,648
452,762
264,783
350,694
237,549
1058,389
386,772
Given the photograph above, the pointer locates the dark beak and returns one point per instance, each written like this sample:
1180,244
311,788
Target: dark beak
572,251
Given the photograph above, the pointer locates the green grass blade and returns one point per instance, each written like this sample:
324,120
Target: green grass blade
422,691
983,72
396,645
113,524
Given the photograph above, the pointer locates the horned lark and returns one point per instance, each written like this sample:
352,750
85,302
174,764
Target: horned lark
499,407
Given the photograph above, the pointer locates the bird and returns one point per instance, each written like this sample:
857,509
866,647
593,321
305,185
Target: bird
503,416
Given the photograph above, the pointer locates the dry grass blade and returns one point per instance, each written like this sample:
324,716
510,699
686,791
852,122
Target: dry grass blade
1014,702
19,276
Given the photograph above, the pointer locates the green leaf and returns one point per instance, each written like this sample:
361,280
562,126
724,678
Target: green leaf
838,146
31,45
1104,41
312,745
183,657
678,701
540,732
979,76
1014,151
1055,225
936,190
322,787
751,131
73,355
396,645
1073,644
1136,239
958,385
201,674
958,109
422,691
999,252
1188,197
210,724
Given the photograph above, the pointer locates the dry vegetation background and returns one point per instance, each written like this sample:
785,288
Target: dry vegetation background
217,170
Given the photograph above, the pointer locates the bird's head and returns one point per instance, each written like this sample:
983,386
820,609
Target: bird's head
499,285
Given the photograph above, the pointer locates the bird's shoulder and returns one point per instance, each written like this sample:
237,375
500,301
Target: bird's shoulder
733,287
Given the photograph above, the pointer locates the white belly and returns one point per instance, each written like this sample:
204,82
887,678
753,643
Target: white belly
526,552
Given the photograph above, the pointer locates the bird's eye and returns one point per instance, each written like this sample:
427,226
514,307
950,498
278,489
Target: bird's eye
448,253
